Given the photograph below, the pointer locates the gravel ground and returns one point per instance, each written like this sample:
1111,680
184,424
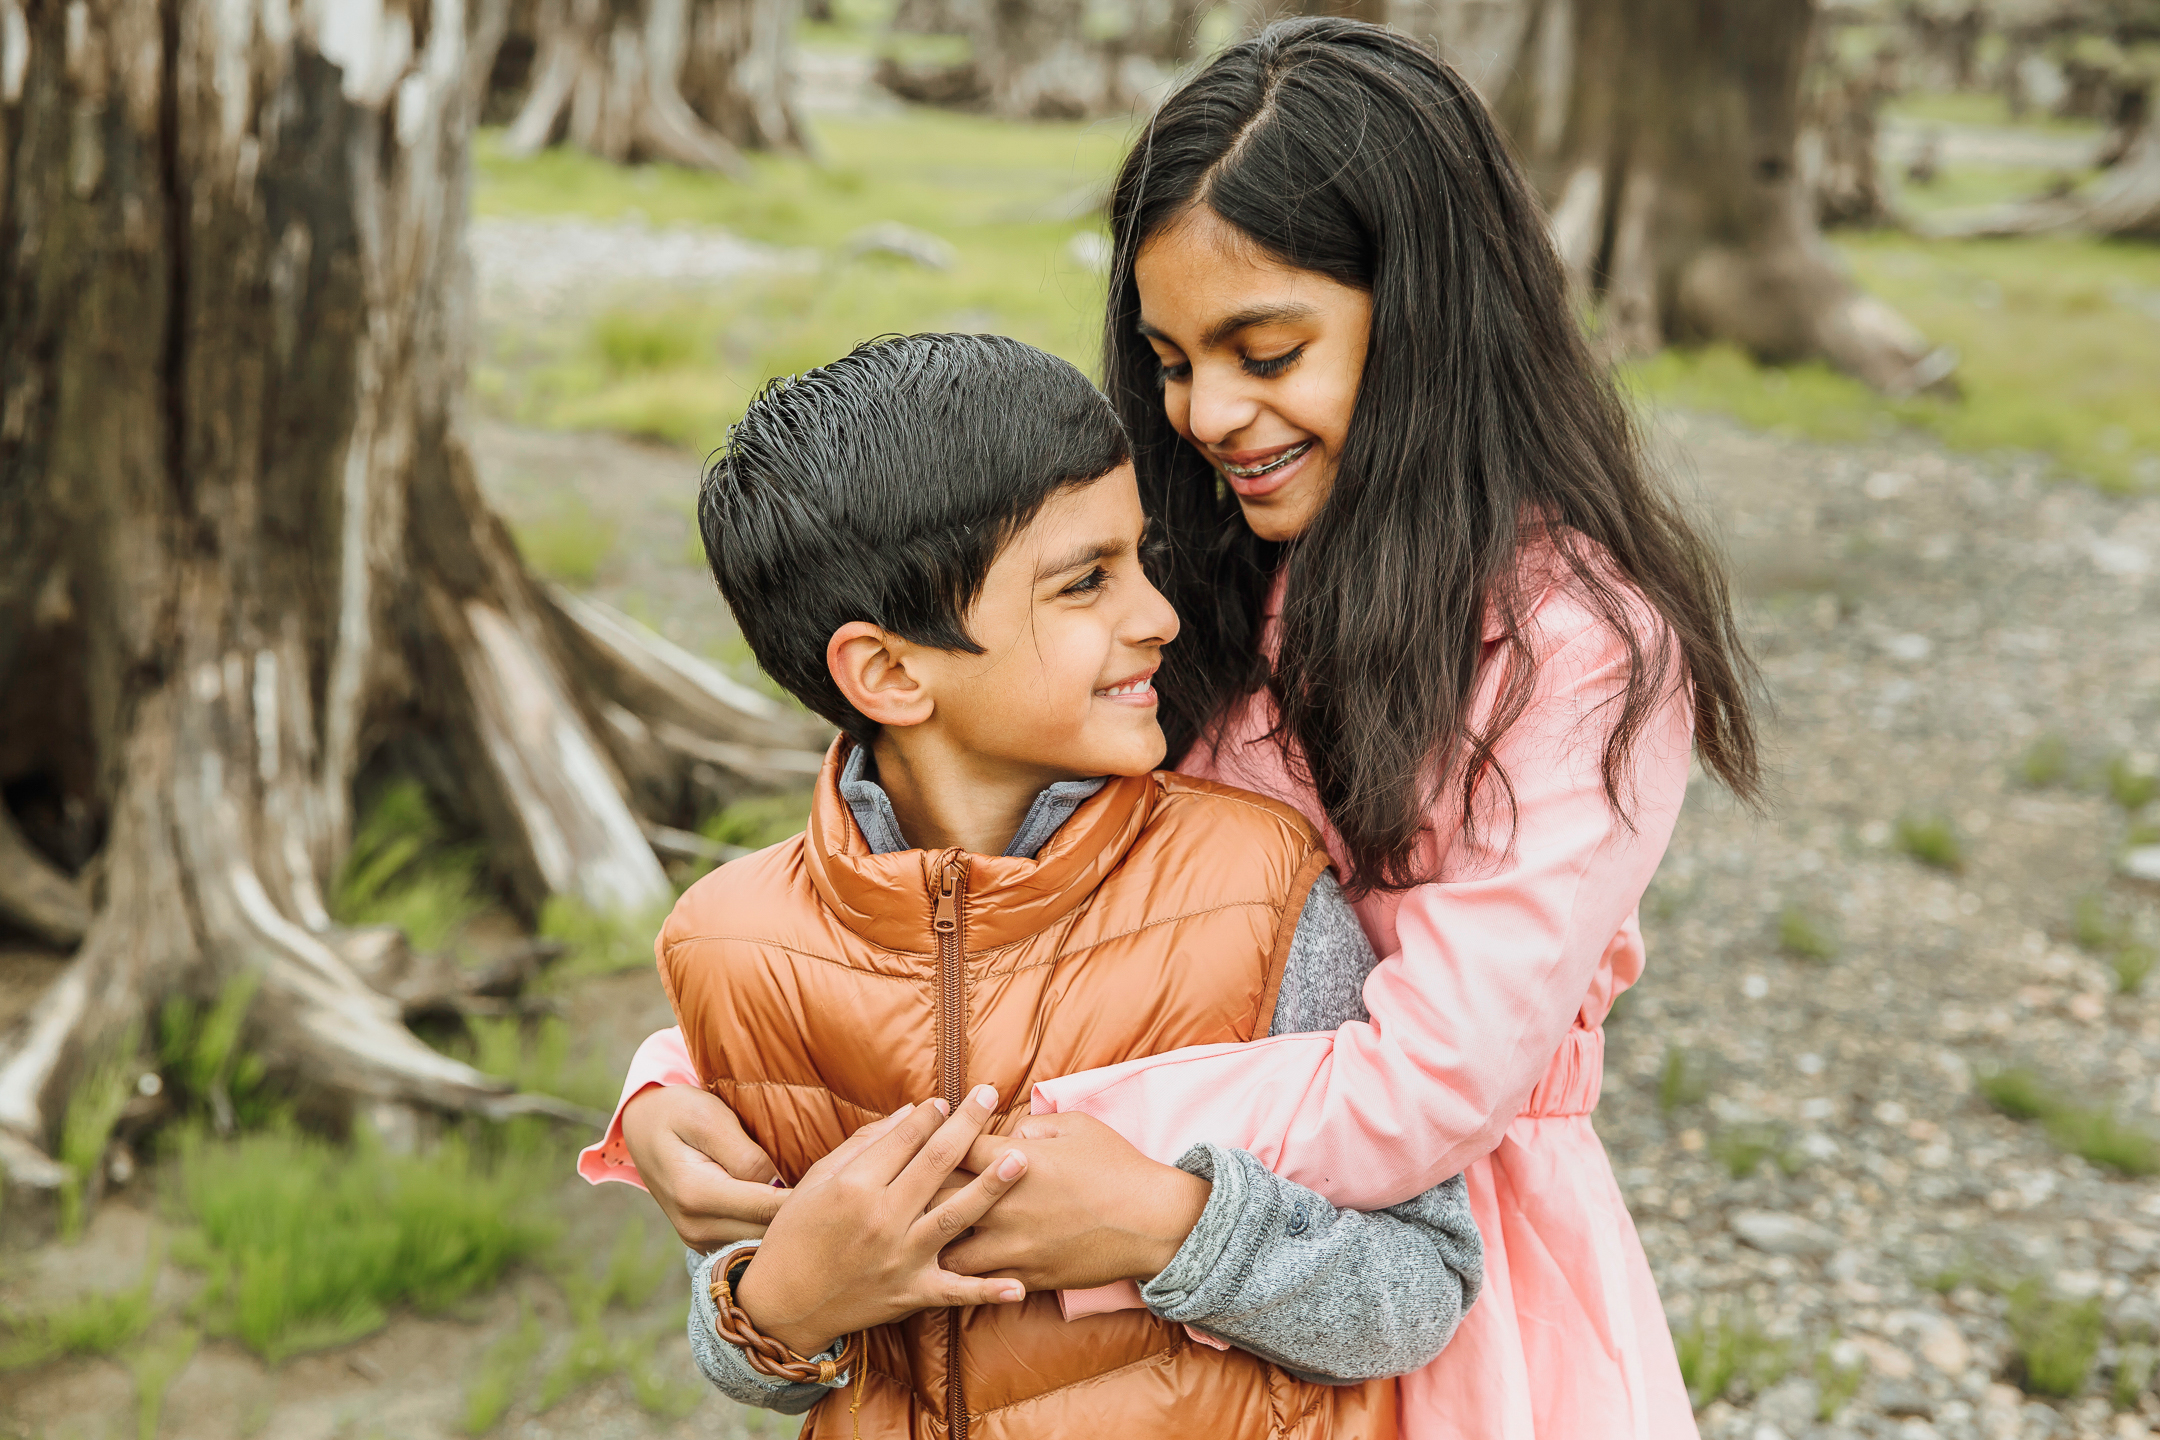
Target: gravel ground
1922,621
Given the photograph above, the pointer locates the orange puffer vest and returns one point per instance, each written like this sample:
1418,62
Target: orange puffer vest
820,986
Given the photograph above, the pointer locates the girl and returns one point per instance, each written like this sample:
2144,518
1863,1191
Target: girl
1431,600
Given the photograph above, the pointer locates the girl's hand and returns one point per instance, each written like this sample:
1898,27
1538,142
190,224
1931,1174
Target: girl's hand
711,1180
1094,1209
857,1244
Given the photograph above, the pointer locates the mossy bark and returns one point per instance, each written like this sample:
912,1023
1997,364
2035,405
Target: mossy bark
247,546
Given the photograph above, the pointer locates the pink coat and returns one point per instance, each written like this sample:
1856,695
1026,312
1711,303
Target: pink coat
1484,1056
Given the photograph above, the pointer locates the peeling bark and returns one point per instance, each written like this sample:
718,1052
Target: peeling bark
237,305
1664,138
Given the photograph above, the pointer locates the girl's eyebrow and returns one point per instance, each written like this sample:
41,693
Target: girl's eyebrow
1088,554
1284,313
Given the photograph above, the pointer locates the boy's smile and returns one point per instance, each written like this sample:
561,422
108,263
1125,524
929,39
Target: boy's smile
1071,634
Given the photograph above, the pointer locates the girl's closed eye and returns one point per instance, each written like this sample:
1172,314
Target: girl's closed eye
1089,583
1167,373
1275,365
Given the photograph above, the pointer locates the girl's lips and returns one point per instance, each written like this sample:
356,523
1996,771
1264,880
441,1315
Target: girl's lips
1140,690
1270,474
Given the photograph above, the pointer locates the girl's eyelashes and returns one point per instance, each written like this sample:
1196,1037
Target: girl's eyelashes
1165,372
1269,369
1089,583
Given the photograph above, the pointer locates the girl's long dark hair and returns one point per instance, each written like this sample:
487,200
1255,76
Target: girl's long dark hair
1481,418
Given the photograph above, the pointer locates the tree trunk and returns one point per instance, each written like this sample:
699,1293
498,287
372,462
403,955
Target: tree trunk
693,82
1840,122
237,307
2125,202
1663,135
1019,59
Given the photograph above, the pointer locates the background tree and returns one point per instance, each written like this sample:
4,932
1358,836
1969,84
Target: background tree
1664,137
693,82
247,559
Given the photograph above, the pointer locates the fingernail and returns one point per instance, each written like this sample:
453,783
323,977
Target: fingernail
1015,1292
1013,1163
902,1110
942,1107
985,1096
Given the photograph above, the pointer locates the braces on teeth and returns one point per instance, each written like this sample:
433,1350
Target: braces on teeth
1243,473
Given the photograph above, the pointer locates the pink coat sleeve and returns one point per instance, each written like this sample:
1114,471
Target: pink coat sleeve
1487,975
662,1060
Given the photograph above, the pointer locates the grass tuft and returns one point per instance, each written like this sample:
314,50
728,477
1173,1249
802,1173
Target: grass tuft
96,1324
1742,1149
308,1244
1720,1358
1805,935
502,1369
1835,1384
403,870
758,821
2053,1341
153,1368
2129,784
1681,1081
93,1109
2133,964
2133,1375
600,942
1932,840
537,1058
2093,1133
2045,763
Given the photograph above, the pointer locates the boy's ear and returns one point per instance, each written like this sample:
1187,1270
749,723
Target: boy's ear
871,668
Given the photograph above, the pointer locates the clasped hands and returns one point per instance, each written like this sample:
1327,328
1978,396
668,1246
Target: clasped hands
917,1210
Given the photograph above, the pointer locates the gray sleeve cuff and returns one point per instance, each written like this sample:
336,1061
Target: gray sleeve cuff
1334,1295
724,1364
1323,983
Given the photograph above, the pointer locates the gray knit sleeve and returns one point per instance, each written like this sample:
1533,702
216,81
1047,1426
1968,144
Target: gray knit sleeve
1333,1295
723,1363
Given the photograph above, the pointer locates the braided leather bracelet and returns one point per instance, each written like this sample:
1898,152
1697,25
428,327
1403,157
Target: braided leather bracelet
766,1355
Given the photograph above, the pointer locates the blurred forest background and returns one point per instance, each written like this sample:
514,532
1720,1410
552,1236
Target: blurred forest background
364,700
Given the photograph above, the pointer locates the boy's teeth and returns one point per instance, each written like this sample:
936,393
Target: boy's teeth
1247,472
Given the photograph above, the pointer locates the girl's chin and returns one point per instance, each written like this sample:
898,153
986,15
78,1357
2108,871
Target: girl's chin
1278,517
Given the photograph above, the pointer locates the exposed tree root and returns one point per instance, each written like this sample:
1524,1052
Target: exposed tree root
34,895
2125,203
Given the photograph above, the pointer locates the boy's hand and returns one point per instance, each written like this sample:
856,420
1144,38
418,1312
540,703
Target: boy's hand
1094,1209
857,1244
709,1178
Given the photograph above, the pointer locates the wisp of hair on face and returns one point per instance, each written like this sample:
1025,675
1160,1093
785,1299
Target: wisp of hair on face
881,488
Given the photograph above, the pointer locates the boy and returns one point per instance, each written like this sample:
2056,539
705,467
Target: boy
935,543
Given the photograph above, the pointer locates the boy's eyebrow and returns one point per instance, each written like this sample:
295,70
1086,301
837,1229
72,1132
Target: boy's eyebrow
1237,320
1086,554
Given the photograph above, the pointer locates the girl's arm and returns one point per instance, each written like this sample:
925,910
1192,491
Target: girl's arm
1492,969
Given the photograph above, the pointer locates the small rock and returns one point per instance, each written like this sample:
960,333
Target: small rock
2143,863
1885,1359
1911,648
2120,558
1943,1346
1776,1233
1899,1398
903,242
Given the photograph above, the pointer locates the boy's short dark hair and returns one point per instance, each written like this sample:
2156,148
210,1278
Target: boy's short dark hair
881,488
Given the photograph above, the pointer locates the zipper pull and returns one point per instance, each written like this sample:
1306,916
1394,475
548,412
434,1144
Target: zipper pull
948,903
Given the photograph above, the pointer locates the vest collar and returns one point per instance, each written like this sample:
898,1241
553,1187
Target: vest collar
889,899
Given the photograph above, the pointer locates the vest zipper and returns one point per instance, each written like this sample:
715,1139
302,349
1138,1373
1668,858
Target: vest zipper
952,1080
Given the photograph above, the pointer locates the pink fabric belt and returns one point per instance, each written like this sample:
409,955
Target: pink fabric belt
1575,1078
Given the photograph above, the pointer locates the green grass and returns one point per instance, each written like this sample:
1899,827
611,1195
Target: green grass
601,942
1742,1149
2129,784
502,1370
1682,1080
1835,1384
568,543
2045,763
2054,356
308,1244
680,365
403,870
2053,1341
758,821
1979,107
2098,930
96,1324
2094,1133
205,1070
624,1280
153,1368
1722,1356
1805,935
537,1058
1932,840
93,1108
